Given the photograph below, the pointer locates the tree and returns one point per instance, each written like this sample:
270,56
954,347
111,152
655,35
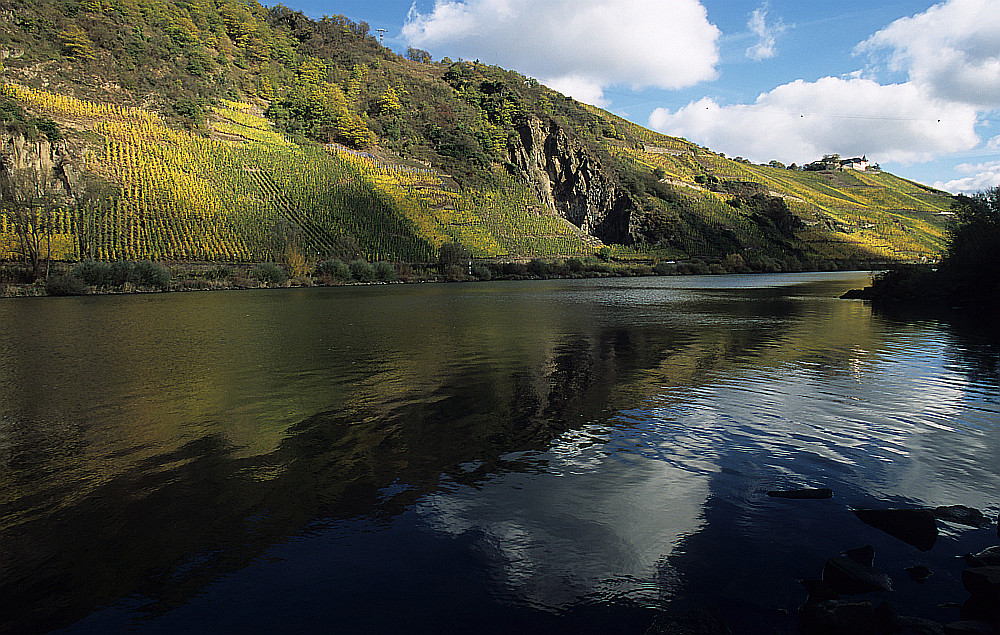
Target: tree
970,264
33,223
387,103
418,55
453,254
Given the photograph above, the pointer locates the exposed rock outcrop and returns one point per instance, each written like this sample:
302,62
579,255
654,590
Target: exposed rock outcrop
36,167
570,181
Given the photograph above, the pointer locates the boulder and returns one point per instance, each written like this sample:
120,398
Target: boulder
989,556
819,591
982,609
983,583
970,627
916,527
962,515
862,555
919,625
919,573
847,576
832,618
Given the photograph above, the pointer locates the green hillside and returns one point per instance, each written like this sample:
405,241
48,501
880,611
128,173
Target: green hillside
229,131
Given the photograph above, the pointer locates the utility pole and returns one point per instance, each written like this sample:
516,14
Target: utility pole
381,32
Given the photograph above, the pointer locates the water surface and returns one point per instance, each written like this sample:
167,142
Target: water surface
557,456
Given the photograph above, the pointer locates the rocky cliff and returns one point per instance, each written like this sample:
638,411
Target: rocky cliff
31,168
570,181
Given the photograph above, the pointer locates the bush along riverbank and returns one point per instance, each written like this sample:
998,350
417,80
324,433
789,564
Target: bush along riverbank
969,273
454,265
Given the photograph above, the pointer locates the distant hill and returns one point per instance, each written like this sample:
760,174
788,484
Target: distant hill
225,130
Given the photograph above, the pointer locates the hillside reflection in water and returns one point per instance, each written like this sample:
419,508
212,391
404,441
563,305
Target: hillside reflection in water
566,456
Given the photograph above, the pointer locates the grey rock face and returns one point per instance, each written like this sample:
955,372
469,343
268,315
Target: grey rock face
571,183
32,168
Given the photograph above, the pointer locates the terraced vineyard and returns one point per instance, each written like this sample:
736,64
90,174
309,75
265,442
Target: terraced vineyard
876,212
248,194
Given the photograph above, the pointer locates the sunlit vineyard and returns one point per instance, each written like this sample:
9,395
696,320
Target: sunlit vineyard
247,194
241,191
874,211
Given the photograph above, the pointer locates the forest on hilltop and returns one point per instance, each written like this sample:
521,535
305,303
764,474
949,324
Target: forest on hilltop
224,130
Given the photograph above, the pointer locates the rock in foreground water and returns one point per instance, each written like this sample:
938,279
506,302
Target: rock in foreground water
802,494
916,527
847,576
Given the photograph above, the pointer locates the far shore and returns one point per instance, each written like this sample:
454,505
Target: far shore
183,276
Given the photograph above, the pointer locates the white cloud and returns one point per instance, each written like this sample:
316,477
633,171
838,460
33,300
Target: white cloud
581,88
981,176
952,50
581,45
801,121
766,47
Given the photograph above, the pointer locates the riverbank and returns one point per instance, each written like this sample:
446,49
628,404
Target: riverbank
107,278
928,288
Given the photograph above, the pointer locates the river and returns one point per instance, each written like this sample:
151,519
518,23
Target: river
562,456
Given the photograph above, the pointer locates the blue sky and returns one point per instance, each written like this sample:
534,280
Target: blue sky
913,85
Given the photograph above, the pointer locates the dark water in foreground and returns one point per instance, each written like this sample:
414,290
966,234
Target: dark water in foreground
560,456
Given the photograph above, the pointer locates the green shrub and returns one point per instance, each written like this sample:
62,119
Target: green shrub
270,273
121,272
481,272
665,269
575,265
65,285
734,263
538,268
385,271
93,273
695,266
218,273
362,271
150,274
335,268
515,269
454,273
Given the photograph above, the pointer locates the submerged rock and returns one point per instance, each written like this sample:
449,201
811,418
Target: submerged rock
981,609
916,527
832,617
819,591
849,576
970,627
862,555
919,625
983,583
889,621
962,515
989,556
919,573
697,622
802,494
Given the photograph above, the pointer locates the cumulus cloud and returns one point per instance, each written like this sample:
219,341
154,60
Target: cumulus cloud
952,50
581,45
981,176
766,46
801,121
